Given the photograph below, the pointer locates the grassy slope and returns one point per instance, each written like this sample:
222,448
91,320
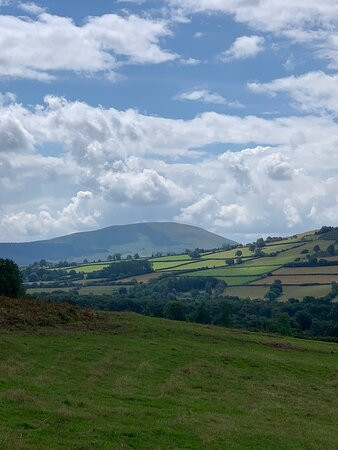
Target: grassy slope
138,382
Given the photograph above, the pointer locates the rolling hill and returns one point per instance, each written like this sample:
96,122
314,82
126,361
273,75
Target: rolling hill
76,379
142,238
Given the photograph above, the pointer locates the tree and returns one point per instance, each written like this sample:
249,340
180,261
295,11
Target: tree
229,261
110,257
117,257
175,311
129,257
10,278
239,253
330,250
136,256
251,247
202,314
316,248
303,319
195,254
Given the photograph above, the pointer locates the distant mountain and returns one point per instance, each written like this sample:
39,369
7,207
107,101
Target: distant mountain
142,238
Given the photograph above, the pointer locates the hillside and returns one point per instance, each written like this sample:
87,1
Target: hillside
142,238
301,262
138,382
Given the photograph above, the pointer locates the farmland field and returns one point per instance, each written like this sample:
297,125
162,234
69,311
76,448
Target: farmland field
252,292
168,265
89,268
279,247
300,279
171,258
306,270
229,253
144,278
201,264
300,292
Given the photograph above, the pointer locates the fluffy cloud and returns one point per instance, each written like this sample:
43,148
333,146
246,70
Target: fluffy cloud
31,8
244,47
41,47
267,15
149,167
311,92
306,21
206,96
74,216
143,187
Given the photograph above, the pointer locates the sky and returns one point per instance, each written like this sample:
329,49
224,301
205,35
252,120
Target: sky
215,113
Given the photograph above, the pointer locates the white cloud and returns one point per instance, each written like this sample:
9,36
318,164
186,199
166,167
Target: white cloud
41,47
267,15
244,47
310,22
311,92
74,216
31,8
206,96
143,187
140,166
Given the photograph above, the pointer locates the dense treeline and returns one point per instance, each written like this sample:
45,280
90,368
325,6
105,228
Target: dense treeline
128,268
200,300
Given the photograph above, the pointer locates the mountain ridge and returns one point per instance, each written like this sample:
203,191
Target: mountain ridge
144,238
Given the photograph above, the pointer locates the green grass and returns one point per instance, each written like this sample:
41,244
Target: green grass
232,270
229,253
147,383
300,292
89,268
166,265
252,292
171,258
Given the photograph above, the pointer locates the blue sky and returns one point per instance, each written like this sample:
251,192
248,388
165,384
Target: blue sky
211,112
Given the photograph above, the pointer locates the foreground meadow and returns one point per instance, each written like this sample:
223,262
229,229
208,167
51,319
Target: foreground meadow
127,381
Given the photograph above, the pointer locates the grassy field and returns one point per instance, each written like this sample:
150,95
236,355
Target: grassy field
231,271
138,382
299,279
300,292
167,265
144,278
89,268
252,292
228,253
171,258
306,270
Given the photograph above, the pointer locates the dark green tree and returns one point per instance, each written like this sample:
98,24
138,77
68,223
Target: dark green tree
330,250
10,278
202,314
175,311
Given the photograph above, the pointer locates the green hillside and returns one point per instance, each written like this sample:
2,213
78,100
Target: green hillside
142,238
250,269
109,381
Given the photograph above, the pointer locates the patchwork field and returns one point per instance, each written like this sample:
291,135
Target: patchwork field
89,268
299,292
300,279
133,382
171,258
307,270
252,292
